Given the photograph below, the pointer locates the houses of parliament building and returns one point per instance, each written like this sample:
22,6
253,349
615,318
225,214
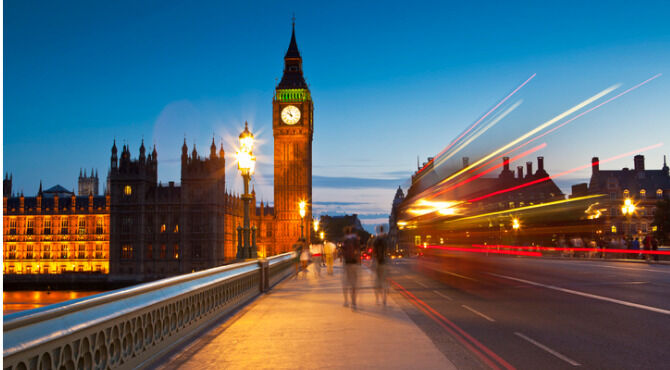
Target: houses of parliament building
141,229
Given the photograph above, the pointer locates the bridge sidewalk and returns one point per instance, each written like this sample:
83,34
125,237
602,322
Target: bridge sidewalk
302,324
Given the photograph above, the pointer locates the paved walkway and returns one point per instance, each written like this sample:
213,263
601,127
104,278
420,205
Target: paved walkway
302,324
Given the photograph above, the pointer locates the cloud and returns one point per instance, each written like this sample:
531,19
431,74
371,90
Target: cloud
339,203
355,182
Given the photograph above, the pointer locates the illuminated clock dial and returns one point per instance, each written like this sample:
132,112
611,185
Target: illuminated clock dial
290,115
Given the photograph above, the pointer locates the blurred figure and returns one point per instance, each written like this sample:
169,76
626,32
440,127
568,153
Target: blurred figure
351,250
329,249
635,245
316,250
304,261
379,253
654,247
297,249
646,245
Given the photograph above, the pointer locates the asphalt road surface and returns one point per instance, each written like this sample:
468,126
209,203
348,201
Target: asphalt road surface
526,313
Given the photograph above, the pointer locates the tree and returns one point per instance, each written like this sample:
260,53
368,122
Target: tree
662,221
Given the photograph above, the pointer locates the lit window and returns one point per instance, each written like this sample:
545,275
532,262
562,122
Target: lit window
626,193
127,190
643,193
82,225
29,252
12,226
81,254
176,251
30,226
659,193
176,228
127,251
163,228
613,229
46,252
47,226
99,226
64,225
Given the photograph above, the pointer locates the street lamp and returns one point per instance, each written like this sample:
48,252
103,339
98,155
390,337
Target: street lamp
246,163
322,235
627,210
515,224
302,205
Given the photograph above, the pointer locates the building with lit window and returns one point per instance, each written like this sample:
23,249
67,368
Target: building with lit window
162,230
630,196
55,232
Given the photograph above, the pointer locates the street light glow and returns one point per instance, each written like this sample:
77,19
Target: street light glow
515,224
302,206
316,225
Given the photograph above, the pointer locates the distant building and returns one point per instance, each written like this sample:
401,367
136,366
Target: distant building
163,230
88,184
55,232
643,187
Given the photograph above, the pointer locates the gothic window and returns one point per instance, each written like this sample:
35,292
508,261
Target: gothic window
82,225
47,226
150,251
176,228
163,228
81,253
29,252
626,193
643,193
64,224
163,251
127,251
98,251
63,251
30,226
99,225
12,226
12,252
127,190
659,193
176,251
46,251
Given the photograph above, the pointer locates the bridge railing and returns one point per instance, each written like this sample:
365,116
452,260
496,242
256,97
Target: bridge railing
131,327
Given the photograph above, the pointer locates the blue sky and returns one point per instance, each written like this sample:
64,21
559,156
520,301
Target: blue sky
389,82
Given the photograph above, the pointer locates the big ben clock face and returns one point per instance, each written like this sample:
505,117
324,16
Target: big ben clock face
290,115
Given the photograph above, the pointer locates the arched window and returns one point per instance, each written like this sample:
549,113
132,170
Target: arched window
659,193
626,193
127,190
643,193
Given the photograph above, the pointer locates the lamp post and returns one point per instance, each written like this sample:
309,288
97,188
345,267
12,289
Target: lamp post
302,205
246,163
627,210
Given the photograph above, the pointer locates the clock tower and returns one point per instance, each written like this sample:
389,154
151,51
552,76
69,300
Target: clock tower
292,128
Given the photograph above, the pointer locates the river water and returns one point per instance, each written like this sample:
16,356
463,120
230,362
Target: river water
20,300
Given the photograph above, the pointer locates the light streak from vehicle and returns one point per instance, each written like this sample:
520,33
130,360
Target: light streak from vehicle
569,249
581,114
525,208
478,133
472,178
478,121
486,250
537,181
535,130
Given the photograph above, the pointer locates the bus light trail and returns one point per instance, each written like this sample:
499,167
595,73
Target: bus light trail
536,130
479,120
486,250
519,156
571,249
579,115
563,173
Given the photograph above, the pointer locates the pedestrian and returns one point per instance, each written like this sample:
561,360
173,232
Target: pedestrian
316,250
329,250
379,247
635,245
297,249
654,247
351,250
646,245
304,261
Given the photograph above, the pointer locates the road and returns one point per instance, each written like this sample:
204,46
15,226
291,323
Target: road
526,313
